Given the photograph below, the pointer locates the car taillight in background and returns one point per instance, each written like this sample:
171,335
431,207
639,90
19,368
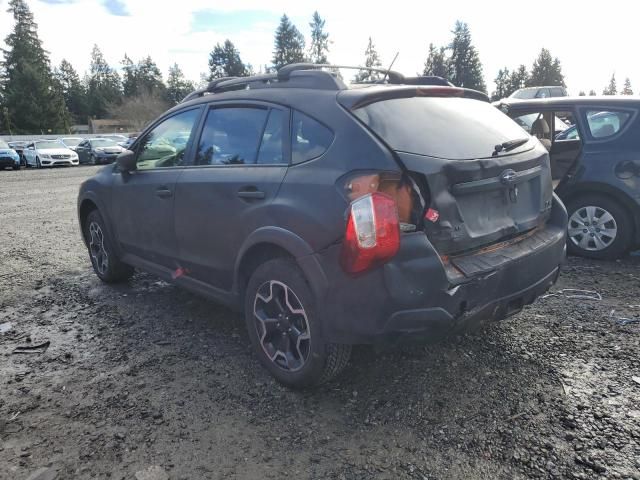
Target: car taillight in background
373,232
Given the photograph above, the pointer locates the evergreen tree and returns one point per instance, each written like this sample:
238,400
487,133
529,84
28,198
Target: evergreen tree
546,71
592,93
178,86
103,85
582,94
519,79
288,44
149,77
73,91
503,85
225,61
627,90
612,89
437,63
466,68
319,48
129,77
32,100
371,60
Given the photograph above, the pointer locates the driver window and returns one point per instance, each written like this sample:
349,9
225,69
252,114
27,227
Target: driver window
166,144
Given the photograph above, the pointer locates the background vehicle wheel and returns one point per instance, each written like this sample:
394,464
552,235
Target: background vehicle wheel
93,160
106,264
284,329
38,164
16,167
598,228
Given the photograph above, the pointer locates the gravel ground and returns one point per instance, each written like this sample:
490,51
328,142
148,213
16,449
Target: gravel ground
145,381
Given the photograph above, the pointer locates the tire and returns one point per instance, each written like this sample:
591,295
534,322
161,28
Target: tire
106,265
16,167
93,160
38,164
611,235
314,361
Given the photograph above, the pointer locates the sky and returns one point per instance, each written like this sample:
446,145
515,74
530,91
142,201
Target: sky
592,40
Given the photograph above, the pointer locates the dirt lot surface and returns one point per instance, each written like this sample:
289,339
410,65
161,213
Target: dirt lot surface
145,381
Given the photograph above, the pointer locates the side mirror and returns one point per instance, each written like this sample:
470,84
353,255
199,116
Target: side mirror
126,161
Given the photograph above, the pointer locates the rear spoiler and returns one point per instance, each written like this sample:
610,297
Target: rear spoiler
358,98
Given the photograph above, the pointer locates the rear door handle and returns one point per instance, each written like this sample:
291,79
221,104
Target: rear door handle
164,192
254,194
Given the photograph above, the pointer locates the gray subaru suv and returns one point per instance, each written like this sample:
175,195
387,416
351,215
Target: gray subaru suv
333,215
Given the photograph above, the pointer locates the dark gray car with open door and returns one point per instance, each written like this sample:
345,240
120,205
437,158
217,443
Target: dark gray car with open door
594,146
333,216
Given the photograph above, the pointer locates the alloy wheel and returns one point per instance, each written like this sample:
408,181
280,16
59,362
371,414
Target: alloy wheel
282,326
592,228
97,250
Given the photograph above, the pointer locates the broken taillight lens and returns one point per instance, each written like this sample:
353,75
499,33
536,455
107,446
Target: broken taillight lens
373,233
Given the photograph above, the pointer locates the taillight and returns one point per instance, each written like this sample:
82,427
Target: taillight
373,233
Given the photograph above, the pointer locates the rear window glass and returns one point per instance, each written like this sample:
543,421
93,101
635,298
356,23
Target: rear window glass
310,139
453,128
603,124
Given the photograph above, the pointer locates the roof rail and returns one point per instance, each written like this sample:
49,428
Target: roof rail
285,72
309,75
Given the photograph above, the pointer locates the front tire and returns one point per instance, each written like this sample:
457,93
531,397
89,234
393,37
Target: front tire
93,160
106,265
599,228
38,164
285,330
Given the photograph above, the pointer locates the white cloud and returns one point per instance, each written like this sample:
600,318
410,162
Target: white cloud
592,41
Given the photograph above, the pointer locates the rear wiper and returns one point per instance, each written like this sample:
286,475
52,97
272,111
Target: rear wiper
509,145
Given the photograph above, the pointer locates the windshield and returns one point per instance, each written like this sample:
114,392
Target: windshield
103,142
71,142
452,128
3,144
46,145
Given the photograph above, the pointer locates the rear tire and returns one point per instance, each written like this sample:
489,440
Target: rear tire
102,253
285,330
599,228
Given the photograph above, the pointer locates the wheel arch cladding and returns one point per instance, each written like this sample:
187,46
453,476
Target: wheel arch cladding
627,203
86,207
274,242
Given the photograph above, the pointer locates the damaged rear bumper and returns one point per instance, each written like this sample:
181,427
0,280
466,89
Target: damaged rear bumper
414,296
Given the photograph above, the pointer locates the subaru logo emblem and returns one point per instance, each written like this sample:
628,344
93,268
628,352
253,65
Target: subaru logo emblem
508,177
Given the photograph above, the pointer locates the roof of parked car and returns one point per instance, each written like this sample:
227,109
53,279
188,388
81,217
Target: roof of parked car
612,100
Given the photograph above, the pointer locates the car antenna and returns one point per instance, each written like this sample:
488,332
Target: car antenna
386,74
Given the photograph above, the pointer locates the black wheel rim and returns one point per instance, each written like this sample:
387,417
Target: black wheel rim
282,326
98,253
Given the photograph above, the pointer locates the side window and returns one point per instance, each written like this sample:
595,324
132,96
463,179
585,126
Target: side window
231,136
539,125
603,124
310,139
164,146
557,92
542,93
564,126
271,146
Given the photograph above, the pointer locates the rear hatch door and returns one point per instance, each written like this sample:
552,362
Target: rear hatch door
486,178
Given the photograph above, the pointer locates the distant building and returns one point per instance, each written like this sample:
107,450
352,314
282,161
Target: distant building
110,126
79,129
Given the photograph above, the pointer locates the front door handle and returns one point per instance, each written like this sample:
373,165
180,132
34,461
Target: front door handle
253,194
164,192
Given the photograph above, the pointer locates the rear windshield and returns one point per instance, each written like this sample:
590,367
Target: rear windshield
452,128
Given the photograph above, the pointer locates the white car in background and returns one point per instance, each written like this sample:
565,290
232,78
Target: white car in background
48,153
70,142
